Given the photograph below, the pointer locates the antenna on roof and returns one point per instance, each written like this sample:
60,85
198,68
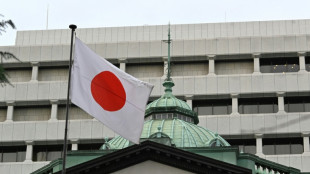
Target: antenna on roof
47,16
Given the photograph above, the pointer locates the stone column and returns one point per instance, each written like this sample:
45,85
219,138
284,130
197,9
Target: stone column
234,106
35,71
122,64
259,144
305,136
74,143
302,61
281,102
211,65
10,111
29,151
54,110
189,100
256,57
165,59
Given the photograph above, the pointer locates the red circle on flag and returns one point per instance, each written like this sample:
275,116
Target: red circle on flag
108,91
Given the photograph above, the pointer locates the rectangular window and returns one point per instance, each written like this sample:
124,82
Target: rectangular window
212,107
3,110
277,146
12,153
297,104
57,73
32,113
144,70
92,146
279,65
47,152
189,68
307,59
258,105
19,74
235,66
245,145
76,113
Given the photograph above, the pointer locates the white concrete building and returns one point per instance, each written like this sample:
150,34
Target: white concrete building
248,81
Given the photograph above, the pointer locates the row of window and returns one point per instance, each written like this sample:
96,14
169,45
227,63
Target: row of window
271,146
40,152
202,107
251,105
222,67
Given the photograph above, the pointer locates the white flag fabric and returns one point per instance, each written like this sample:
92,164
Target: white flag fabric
113,97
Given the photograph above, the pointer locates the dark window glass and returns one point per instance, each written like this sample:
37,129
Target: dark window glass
9,157
245,145
212,107
258,105
21,156
297,148
269,150
279,65
276,146
52,155
93,146
307,59
297,104
47,152
12,153
307,107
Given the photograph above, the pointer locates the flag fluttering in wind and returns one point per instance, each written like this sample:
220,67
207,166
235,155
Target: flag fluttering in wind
112,96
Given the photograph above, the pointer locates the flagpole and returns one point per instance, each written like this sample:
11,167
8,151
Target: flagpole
64,153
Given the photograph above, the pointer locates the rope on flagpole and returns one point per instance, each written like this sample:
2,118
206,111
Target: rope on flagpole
64,154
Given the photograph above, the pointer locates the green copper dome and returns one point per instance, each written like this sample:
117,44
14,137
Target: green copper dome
181,134
168,103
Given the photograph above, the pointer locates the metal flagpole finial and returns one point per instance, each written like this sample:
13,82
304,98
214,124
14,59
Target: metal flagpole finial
72,26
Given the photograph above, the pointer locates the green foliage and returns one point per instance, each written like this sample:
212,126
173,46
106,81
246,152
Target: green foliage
4,24
3,77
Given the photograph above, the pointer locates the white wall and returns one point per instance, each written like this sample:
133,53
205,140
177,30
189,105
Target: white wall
151,167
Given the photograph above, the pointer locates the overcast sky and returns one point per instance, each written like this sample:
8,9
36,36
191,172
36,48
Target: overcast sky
32,14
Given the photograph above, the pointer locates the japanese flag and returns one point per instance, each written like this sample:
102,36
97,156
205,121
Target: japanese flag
112,96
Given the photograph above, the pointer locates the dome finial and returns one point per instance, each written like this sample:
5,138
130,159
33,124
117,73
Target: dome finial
168,81
168,78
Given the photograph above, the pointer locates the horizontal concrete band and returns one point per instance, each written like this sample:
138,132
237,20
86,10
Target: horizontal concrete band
226,125
143,49
186,85
159,32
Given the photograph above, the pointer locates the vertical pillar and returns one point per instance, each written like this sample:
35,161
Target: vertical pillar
74,143
54,110
305,136
165,59
259,144
302,61
211,65
35,71
10,111
281,102
29,151
256,57
122,64
189,100
234,106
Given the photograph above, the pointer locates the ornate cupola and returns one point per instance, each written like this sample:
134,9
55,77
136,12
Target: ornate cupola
168,106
